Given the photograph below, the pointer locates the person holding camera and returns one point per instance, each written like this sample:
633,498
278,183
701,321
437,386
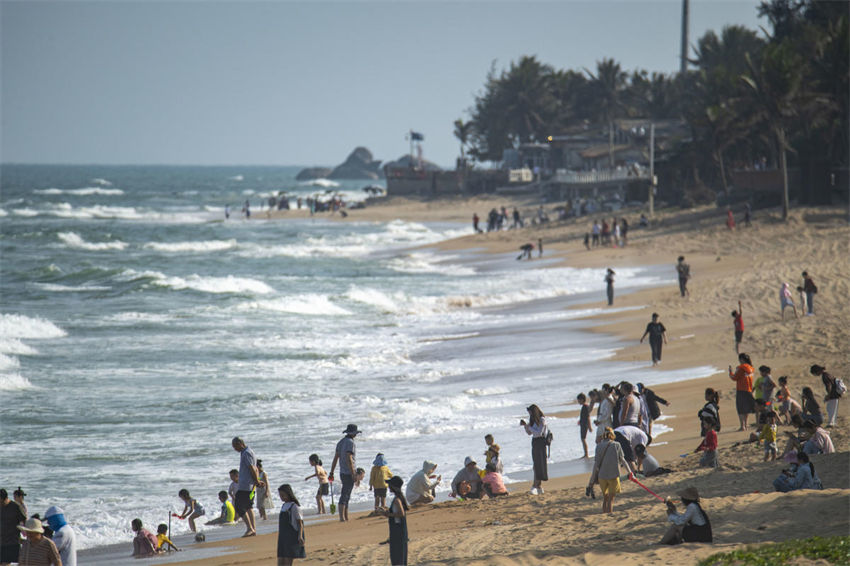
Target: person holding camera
539,432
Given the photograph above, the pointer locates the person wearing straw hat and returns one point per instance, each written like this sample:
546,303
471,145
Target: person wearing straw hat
691,526
345,455
63,535
37,550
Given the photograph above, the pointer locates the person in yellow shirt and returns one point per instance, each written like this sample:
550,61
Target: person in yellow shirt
162,539
378,480
228,512
768,435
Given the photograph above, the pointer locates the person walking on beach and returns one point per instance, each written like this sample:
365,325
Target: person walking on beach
811,290
609,286
786,300
738,322
11,516
651,400
539,432
290,530
657,334
595,230
745,404
397,520
248,478
833,392
606,470
683,270
345,454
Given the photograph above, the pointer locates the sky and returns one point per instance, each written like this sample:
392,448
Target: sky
295,83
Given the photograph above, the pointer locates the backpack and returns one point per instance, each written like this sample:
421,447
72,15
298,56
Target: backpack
839,387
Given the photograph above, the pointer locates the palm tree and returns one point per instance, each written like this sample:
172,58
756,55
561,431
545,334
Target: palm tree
462,132
606,88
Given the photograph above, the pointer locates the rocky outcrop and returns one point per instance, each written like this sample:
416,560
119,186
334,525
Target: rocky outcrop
313,173
403,162
358,165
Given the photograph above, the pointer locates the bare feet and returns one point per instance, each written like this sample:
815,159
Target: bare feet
249,534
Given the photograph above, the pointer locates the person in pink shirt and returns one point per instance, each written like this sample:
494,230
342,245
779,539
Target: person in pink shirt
494,485
785,300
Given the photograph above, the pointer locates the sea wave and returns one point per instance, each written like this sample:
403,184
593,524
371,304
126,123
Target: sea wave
307,304
21,326
102,182
56,288
74,240
192,247
420,262
84,191
16,347
14,382
205,284
3,212
8,363
326,183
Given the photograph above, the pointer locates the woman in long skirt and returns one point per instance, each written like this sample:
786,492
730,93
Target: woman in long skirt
537,429
290,530
397,518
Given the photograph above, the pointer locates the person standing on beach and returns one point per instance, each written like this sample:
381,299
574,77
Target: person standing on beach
738,322
595,230
345,455
537,429
290,530
745,404
248,478
606,470
397,519
684,272
833,392
604,415
811,290
475,221
730,219
609,286
786,300
657,334
625,231
584,421
11,516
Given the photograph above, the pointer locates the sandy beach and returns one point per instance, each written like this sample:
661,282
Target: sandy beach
562,526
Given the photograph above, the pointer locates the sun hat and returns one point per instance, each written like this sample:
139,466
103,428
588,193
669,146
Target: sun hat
468,460
689,493
32,525
351,429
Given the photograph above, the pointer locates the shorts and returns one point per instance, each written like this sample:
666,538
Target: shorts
347,486
610,487
787,303
244,502
10,552
769,447
738,335
380,492
324,489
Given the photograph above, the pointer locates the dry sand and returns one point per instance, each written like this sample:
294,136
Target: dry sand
562,526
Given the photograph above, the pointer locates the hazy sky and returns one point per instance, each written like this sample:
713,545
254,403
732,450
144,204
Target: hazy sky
294,83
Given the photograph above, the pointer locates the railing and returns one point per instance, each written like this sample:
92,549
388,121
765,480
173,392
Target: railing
580,177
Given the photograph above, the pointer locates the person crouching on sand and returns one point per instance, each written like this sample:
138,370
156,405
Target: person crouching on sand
606,470
422,486
191,509
691,526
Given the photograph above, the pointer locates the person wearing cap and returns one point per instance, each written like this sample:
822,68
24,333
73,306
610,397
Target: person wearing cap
470,475
63,535
19,495
248,478
37,549
692,525
397,519
11,516
345,454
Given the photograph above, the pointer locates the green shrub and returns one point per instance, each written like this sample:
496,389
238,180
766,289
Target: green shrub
835,550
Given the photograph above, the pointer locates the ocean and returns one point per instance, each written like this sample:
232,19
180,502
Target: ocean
140,331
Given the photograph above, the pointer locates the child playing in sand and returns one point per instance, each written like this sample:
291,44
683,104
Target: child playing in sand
378,480
228,512
788,407
144,543
493,453
584,421
191,510
768,436
162,539
322,476
708,446
492,481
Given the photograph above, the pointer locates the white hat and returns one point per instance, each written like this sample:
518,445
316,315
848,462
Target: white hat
32,525
53,511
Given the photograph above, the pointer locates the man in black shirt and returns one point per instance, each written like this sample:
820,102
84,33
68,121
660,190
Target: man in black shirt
657,335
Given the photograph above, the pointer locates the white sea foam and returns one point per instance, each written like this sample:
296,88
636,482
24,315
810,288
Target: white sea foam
21,326
102,182
50,191
14,382
325,183
422,262
136,317
192,247
3,212
307,304
56,288
84,191
8,363
74,240
24,212
204,284
16,347
236,178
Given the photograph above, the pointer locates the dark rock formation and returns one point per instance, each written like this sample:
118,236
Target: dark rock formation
403,162
313,173
358,165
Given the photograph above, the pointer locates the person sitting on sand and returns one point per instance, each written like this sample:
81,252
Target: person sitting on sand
421,487
818,441
796,439
811,408
144,543
493,483
606,470
467,482
710,409
800,476
691,526
708,446
162,538
228,512
788,407
743,378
